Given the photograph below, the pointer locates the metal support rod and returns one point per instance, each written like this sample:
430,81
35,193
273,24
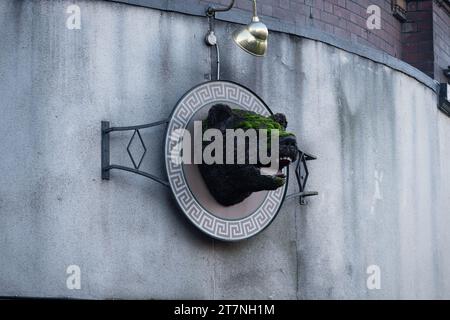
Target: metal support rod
141,173
218,61
211,40
255,9
302,175
144,126
105,150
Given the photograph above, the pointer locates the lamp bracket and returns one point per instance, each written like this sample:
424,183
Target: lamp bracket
211,11
105,152
444,98
447,72
302,175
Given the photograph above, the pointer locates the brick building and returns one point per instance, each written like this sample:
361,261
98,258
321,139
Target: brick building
415,31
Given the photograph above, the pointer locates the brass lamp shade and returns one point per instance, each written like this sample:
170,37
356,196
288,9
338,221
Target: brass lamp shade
252,38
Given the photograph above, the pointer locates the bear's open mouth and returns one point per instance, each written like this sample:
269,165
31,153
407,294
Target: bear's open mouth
273,173
284,161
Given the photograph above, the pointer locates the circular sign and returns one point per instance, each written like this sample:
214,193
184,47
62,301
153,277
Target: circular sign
233,223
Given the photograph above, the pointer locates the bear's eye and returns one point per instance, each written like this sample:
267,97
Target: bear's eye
219,114
280,119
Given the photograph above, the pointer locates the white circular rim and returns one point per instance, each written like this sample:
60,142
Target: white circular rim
218,228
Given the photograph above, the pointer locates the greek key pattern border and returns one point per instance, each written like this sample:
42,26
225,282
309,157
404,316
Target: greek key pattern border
229,230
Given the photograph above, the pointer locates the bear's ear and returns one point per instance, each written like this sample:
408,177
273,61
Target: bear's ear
281,119
218,115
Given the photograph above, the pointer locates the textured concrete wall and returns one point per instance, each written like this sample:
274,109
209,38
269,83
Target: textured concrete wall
383,172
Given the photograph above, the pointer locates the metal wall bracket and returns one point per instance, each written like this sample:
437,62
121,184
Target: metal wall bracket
107,166
302,174
447,72
211,11
444,98
398,10
301,169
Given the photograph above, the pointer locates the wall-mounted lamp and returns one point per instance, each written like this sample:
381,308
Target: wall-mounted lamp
444,98
220,224
447,72
399,9
252,38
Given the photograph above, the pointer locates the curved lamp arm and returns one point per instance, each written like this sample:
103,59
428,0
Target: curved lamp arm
211,10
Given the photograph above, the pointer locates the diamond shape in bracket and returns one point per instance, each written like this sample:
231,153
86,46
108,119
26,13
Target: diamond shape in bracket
136,166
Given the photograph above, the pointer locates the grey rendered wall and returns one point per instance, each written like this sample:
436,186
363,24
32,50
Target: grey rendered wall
383,171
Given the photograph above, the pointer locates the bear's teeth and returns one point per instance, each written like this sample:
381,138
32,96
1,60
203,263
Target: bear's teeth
268,172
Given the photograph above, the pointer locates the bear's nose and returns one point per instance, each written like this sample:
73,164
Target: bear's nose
288,140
